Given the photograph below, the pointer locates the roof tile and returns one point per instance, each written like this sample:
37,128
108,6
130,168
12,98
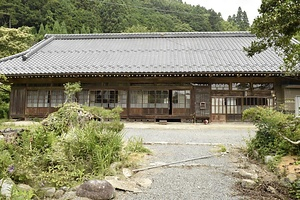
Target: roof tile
141,53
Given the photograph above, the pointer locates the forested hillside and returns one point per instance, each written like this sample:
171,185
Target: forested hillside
109,16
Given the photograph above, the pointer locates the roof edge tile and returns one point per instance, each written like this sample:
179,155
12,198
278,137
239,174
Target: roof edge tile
150,35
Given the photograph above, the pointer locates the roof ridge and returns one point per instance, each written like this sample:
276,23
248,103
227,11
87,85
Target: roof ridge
13,56
36,47
151,35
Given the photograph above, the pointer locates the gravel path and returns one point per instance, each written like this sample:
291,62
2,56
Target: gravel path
209,178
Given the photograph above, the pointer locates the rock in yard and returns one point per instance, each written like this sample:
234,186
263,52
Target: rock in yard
129,186
68,195
96,190
292,177
6,187
247,183
127,172
24,187
248,175
48,191
144,182
269,159
59,193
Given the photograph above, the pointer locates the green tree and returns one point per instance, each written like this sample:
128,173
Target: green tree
41,32
56,28
277,24
240,20
13,41
136,29
114,16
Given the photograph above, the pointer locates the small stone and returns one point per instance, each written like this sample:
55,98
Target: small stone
144,182
255,154
248,175
247,183
127,172
6,187
272,190
68,195
285,182
58,194
269,159
48,191
96,190
292,177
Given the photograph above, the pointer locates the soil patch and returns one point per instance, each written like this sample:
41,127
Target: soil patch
268,185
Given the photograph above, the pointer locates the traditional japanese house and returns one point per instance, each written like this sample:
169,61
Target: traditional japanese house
152,76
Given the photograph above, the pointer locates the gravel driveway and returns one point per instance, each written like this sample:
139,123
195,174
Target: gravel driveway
209,178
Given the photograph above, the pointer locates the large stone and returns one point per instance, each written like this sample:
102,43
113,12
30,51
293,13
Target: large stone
59,193
96,190
247,183
144,182
48,191
248,175
68,195
127,185
24,187
6,187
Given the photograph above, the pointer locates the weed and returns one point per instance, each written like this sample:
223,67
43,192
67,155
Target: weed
135,145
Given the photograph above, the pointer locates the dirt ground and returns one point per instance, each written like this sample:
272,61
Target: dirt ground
269,186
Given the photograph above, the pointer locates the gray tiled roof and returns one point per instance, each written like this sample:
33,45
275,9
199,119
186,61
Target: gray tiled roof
194,52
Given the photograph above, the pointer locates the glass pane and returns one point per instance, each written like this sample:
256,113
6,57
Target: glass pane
240,86
263,86
220,86
32,98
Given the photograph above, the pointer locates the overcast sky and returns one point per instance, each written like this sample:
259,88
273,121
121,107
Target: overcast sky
229,7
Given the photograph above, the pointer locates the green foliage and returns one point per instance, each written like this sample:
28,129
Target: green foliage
13,41
4,100
135,145
71,89
277,24
295,191
66,148
272,126
21,194
6,159
240,20
85,16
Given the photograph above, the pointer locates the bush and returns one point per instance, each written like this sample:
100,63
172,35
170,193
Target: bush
67,147
273,129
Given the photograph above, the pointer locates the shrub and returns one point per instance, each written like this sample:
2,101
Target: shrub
274,130
67,147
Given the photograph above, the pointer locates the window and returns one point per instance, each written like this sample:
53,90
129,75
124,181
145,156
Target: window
263,86
233,105
38,98
32,98
57,98
107,98
220,86
181,98
218,105
83,97
136,99
122,98
240,86
149,99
